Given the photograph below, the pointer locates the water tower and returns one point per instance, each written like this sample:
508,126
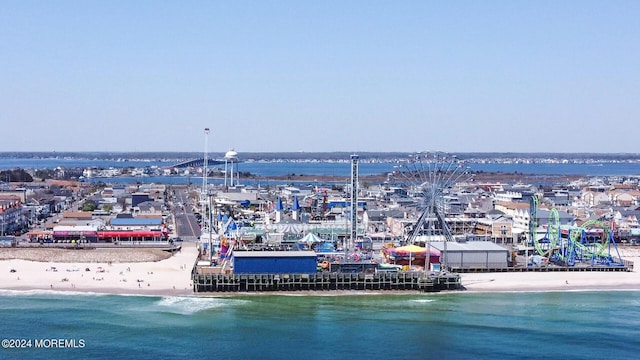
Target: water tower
230,158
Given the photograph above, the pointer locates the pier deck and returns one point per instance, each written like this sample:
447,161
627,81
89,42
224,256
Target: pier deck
628,266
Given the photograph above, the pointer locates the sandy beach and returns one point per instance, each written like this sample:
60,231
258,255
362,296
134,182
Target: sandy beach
551,281
143,272
132,272
560,280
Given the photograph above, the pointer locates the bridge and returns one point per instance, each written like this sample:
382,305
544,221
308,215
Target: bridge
197,163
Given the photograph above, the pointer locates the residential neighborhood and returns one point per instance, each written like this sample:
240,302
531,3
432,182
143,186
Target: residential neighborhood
496,212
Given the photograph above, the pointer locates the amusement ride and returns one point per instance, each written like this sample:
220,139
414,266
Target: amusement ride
591,244
429,177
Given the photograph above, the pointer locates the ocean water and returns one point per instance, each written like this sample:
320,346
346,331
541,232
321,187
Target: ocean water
523,325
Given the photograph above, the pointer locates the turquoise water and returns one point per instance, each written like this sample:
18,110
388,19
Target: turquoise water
543,325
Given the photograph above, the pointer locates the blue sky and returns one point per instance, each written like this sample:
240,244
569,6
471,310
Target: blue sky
269,76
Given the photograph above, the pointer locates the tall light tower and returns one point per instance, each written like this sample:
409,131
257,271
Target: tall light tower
354,199
206,160
205,170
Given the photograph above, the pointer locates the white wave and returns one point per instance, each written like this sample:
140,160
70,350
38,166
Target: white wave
333,293
422,301
187,305
4,292
539,291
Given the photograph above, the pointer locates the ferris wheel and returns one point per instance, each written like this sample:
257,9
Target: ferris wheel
429,179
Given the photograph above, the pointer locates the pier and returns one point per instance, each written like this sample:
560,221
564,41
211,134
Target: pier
617,264
325,281
624,268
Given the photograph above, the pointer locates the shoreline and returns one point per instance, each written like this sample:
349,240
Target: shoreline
172,277
99,292
303,293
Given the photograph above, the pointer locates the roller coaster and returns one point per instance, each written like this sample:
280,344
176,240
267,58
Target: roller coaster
591,244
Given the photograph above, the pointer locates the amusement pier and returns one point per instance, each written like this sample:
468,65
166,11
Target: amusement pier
296,253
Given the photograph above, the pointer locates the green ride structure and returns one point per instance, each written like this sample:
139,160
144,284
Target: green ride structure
591,244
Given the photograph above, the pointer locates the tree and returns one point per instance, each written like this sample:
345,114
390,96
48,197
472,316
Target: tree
44,174
123,202
89,206
15,175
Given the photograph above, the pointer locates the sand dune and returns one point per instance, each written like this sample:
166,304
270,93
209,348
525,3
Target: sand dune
103,255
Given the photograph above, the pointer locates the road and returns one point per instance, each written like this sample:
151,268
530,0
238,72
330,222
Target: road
186,223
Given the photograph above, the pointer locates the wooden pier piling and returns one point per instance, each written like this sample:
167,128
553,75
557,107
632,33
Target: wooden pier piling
325,281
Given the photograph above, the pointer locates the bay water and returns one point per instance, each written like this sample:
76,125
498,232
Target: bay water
320,168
